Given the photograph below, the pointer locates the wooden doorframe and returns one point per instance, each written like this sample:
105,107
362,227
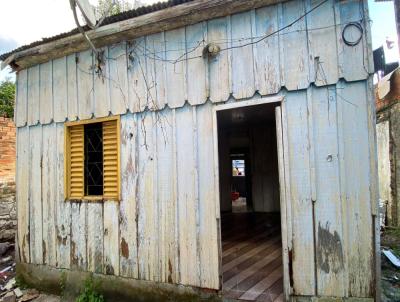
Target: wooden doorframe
283,178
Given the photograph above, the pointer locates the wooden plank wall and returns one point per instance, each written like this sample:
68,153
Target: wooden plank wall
165,227
168,68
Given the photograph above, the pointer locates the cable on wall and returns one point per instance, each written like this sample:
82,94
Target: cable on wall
347,27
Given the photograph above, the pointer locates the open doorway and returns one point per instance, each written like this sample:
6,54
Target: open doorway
252,267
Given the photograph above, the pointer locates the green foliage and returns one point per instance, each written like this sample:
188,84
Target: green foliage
89,293
7,96
63,282
20,282
106,7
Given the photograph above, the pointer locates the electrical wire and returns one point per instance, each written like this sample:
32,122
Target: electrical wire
184,57
356,41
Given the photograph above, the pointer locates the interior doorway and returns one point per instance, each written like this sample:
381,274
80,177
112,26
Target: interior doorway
252,267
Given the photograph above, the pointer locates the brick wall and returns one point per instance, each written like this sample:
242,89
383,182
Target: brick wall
7,150
8,219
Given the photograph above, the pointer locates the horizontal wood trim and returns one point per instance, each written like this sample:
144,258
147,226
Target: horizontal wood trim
166,19
92,121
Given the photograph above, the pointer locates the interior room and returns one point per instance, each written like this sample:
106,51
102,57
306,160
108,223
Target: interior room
250,205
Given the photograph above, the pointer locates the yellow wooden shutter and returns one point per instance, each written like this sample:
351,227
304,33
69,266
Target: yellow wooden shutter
111,159
76,159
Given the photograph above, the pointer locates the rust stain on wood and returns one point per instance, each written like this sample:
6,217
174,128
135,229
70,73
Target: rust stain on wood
74,258
124,248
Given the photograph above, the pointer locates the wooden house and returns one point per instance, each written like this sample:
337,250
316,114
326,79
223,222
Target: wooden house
129,156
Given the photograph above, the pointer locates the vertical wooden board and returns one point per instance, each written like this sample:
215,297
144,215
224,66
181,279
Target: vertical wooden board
322,43
167,207
85,75
35,195
22,195
78,259
242,56
300,190
208,237
102,106
294,47
355,172
175,67
267,71
196,37
49,187
33,95
147,202
353,59
218,67
21,101
187,173
46,92
72,89
128,213
63,208
111,238
155,68
374,184
60,84
95,237
328,217
137,75
283,200
118,78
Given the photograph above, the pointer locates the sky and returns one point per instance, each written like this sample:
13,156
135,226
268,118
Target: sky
45,18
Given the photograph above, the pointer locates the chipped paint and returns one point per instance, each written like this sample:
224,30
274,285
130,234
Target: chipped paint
329,250
124,248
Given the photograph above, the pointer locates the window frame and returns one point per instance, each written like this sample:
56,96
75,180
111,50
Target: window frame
67,126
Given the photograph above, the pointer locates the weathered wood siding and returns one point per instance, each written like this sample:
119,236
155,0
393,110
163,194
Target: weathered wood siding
165,228
168,69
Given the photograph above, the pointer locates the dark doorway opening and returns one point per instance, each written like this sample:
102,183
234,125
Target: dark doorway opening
250,203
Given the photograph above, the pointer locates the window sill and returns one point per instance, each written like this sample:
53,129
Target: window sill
91,199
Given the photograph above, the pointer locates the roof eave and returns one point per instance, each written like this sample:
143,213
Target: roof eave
158,21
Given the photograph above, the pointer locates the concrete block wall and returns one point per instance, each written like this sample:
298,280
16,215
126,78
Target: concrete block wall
8,217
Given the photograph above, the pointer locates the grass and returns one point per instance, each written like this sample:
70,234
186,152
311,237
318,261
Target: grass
90,292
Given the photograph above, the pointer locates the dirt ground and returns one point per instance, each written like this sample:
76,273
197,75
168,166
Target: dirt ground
390,281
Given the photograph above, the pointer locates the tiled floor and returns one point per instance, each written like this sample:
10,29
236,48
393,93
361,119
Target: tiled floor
252,257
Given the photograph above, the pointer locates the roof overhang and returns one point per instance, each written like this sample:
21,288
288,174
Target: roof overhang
166,19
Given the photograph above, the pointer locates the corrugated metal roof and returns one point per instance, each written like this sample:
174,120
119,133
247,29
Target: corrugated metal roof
109,20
